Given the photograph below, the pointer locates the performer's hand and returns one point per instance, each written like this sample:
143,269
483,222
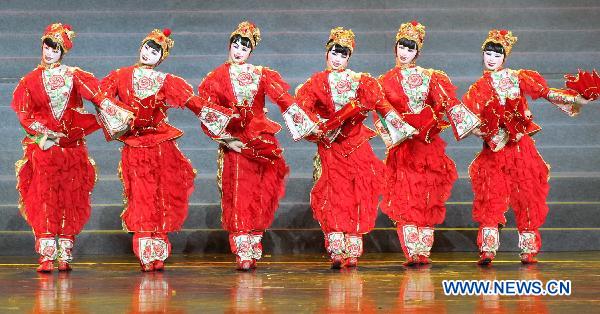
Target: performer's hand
518,137
316,132
55,136
580,101
235,145
477,132
528,114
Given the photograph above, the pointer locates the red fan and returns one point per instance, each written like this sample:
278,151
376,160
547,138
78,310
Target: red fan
585,83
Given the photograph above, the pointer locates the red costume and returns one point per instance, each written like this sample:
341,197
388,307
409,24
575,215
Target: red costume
419,174
55,175
248,210
348,174
509,171
157,178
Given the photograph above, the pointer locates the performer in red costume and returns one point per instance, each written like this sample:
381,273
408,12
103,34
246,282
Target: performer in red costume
157,178
348,175
56,176
509,171
419,174
249,154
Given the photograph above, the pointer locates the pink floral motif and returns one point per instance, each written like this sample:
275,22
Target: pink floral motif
414,80
256,71
111,111
335,246
159,80
159,249
147,253
343,86
413,237
56,82
529,243
298,118
396,123
145,83
506,84
353,250
490,241
458,116
48,251
211,117
244,247
428,240
244,78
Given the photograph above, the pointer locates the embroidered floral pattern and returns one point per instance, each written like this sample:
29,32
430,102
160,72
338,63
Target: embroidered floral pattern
343,86
415,83
243,247
463,119
46,247
527,242
160,249
147,82
397,130
336,243
490,240
298,122
354,246
506,84
113,118
58,83
215,121
256,239
245,79
65,248
410,239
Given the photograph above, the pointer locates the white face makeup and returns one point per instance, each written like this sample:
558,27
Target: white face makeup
336,60
50,55
149,55
239,53
492,60
405,55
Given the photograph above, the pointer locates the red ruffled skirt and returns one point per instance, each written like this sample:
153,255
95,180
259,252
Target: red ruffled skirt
516,176
54,187
251,189
419,179
347,189
157,182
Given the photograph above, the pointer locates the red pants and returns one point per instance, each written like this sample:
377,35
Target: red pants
250,190
419,179
516,176
346,194
158,182
54,187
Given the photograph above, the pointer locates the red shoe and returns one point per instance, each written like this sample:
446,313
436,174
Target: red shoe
411,261
64,266
424,260
147,267
337,261
45,267
528,258
352,262
486,258
159,265
253,264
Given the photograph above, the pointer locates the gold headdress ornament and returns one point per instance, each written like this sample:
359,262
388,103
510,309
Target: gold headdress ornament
502,37
162,38
342,37
248,30
61,34
414,31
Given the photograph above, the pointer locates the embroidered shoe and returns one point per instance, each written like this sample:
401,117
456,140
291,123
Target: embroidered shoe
45,267
528,258
424,260
64,266
337,261
352,262
486,258
147,267
159,265
411,261
243,265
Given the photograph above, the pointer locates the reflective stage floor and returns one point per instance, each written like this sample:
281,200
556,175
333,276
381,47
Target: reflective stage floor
284,284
